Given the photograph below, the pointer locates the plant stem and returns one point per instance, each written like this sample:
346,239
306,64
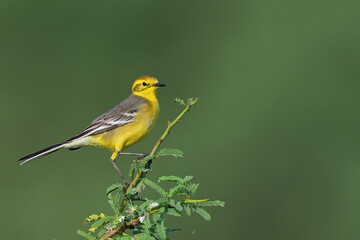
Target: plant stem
193,201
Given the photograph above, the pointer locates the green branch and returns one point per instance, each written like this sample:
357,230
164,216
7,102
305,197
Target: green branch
193,201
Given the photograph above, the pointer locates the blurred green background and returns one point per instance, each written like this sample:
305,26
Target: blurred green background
275,133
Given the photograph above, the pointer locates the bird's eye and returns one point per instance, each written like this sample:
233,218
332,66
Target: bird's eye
144,83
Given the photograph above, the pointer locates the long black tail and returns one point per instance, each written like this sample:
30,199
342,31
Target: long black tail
41,153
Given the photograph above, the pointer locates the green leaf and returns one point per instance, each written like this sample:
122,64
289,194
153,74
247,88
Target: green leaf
117,198
189,101
177,190
161,201
113,206
102,221
144,236
147,158
113,201
188,178
131,192
156,187
160,230
124,238
131,208
101,233
216,203
174,212
187,209
135,189
98,223
85,235
147,222
113,187
162,210
144,161
202,213
171,179
156,217
131,170
192,188
170,152
180,101
176,205
144,205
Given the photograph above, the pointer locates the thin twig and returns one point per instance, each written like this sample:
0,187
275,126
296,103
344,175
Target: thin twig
119,172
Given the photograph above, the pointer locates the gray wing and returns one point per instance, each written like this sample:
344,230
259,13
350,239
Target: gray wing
122,114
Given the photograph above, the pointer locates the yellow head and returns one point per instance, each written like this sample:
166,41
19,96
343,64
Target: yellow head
146,87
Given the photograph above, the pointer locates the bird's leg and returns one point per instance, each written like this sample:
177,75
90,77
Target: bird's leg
112,160
133,154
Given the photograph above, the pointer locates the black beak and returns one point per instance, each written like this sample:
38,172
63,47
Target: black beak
159,85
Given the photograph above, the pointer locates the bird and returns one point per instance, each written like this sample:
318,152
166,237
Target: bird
122,126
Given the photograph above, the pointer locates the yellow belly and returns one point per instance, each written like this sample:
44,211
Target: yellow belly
129,134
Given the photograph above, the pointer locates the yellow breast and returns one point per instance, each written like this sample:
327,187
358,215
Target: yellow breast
129,134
